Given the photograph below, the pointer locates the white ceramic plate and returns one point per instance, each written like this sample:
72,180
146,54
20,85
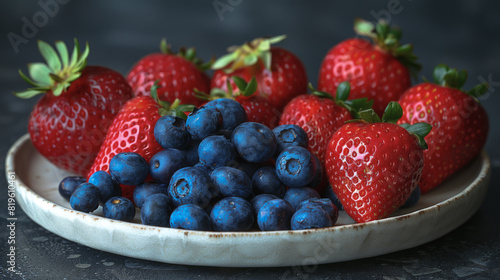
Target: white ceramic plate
436,214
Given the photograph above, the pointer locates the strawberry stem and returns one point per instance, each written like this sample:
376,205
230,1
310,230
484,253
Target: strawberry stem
450,77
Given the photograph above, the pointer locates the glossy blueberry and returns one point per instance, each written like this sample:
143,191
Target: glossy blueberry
325,204
289,135
261,199
85,198
171,132
328,193
413,199
164,164
156,210
275,215
232,182
68,185
232,214
192,153
129,168
191,185
254,142
191,217
310,217
119,208
296,167
296,195
204,122
265,180
216,151
146,189
106,185
233,113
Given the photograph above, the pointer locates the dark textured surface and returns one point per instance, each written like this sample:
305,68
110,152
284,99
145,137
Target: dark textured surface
464,34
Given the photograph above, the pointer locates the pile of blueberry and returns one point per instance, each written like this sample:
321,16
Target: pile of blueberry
217,172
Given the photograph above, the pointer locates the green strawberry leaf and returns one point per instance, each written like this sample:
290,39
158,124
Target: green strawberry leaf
63,53
251,87
240,83
224,60
50,56
364,28
393,112
369,116
40,73
343,90
478,90
419,130
356,105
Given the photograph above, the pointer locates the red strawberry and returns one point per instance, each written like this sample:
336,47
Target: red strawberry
374,166
460,124
280,74
379,71
68,124
320,115
179,74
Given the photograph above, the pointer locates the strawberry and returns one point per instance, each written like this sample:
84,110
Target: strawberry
68,123
320,115
460,124
374,166
378,71
280,74
179,74
132,130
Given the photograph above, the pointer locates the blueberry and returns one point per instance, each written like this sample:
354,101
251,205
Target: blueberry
146,189
204,168
265,180
204,122
232,182
68,185
289,135
191,217
254,142
248,167
106,185
325,204
296,167
191,185
233,113
260,200
216,151
296,195
85,198
328,193
318,174
164,164
232,214
119,208
310,217
192,153
275,215
171,132
129,168
413,199
156,210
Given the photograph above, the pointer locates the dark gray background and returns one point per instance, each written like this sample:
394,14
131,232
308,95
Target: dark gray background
463,34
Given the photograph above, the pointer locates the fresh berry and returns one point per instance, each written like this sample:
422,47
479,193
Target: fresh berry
119,208
178,75
259,110
203,122
297,167
275,215
232,214
330,194
204,168
233,113
129,168
310,217
289,135
85,198
265,181
191,185
413,199
191,217
156,210
259,200
373,165
280,74
192,157
379,71
68,124
106,185
254,142
323,203
164,164
248,167
295,196
216,151
232,182
459,123
145,190
170,132
68,185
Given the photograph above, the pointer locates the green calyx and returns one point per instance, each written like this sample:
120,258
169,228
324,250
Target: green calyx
393,112
57,73
166,108
244,89
354,106
187,53
387,38
450,77
247,54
